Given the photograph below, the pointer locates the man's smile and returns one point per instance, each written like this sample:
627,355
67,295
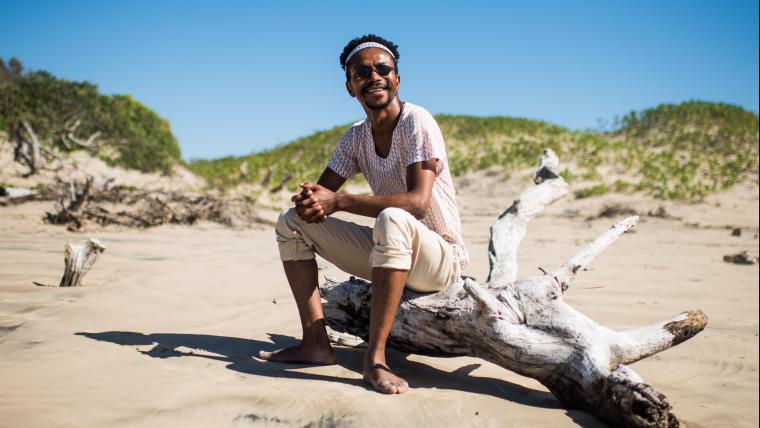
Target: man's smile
375,89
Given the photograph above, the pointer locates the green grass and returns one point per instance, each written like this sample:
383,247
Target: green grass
681,152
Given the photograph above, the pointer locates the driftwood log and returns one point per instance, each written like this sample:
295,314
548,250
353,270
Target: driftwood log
27,149
78,259
525,325
36,153
79,203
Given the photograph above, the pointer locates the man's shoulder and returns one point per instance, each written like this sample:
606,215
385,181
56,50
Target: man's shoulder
417,115
358,124
354,131
355,128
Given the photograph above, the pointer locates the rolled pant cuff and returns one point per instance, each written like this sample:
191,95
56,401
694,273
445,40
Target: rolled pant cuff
292,251
391,259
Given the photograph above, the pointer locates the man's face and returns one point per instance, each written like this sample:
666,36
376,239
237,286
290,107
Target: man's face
366,82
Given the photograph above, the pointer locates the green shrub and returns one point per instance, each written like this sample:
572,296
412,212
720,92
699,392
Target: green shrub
137,136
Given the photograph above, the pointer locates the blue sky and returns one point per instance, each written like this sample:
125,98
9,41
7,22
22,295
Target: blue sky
234,77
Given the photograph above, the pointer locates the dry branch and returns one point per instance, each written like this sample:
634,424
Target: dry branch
525,326
90,143
79,203
510,228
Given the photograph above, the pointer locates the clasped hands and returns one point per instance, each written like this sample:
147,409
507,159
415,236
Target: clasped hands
315,203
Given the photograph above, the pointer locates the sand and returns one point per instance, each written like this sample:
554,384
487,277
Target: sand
165,327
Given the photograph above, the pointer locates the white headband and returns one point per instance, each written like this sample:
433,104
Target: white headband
366,45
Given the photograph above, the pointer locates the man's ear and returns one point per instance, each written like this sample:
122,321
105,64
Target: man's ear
350,91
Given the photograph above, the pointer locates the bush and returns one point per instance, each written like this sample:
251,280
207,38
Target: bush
137,136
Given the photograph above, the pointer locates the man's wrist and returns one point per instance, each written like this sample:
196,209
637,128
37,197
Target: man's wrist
340,201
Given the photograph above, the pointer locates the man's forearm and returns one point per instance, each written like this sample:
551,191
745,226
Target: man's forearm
371,206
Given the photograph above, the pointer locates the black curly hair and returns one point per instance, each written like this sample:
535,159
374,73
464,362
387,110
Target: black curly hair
363,39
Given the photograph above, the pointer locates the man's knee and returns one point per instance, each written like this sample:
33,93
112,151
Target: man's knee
287,224
394,222
290,240
393,234
393,216
288,219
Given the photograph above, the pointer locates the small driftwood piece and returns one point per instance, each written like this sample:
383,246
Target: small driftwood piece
525,325
79,258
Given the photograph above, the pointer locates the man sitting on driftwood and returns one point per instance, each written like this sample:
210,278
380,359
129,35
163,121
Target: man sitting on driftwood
416,240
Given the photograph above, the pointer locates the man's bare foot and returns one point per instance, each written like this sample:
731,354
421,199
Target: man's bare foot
382,379
302,354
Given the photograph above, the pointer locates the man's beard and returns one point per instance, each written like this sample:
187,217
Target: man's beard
383,105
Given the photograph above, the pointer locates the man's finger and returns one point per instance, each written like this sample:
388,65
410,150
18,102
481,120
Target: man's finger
300,196
301,212
315,217
312,210
307,202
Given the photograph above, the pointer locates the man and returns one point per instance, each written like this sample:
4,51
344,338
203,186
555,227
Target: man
416,240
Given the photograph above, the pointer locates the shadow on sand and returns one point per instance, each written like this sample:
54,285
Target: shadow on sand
238,354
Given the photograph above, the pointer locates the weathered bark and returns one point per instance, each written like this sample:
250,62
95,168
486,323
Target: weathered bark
78,259
525,326
510,228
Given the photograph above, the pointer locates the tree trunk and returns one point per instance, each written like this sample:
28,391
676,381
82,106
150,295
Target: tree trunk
27,149
525,326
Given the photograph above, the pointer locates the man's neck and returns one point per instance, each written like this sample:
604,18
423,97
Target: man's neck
384,120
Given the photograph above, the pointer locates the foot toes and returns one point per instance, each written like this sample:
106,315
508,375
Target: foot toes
390,387
386,387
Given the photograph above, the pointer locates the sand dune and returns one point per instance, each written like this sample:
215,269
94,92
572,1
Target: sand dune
163,332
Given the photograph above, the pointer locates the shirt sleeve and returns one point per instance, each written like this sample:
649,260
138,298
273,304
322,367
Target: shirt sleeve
426,141
343,160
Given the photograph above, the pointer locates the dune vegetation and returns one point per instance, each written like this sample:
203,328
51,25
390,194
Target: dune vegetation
673,151
130,134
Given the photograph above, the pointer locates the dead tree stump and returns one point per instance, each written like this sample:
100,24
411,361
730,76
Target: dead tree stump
525,325
79,258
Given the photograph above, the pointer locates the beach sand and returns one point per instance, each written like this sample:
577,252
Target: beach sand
164,329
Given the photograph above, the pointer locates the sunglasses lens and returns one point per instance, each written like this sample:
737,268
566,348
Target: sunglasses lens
383,69
363,71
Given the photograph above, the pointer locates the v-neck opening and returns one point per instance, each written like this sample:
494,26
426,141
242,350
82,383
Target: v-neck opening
393,135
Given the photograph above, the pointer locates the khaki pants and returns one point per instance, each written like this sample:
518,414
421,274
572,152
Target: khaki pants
398,241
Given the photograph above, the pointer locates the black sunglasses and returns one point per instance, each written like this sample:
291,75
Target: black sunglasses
364,71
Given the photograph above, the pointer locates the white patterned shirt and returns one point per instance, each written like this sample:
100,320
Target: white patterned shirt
416,138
